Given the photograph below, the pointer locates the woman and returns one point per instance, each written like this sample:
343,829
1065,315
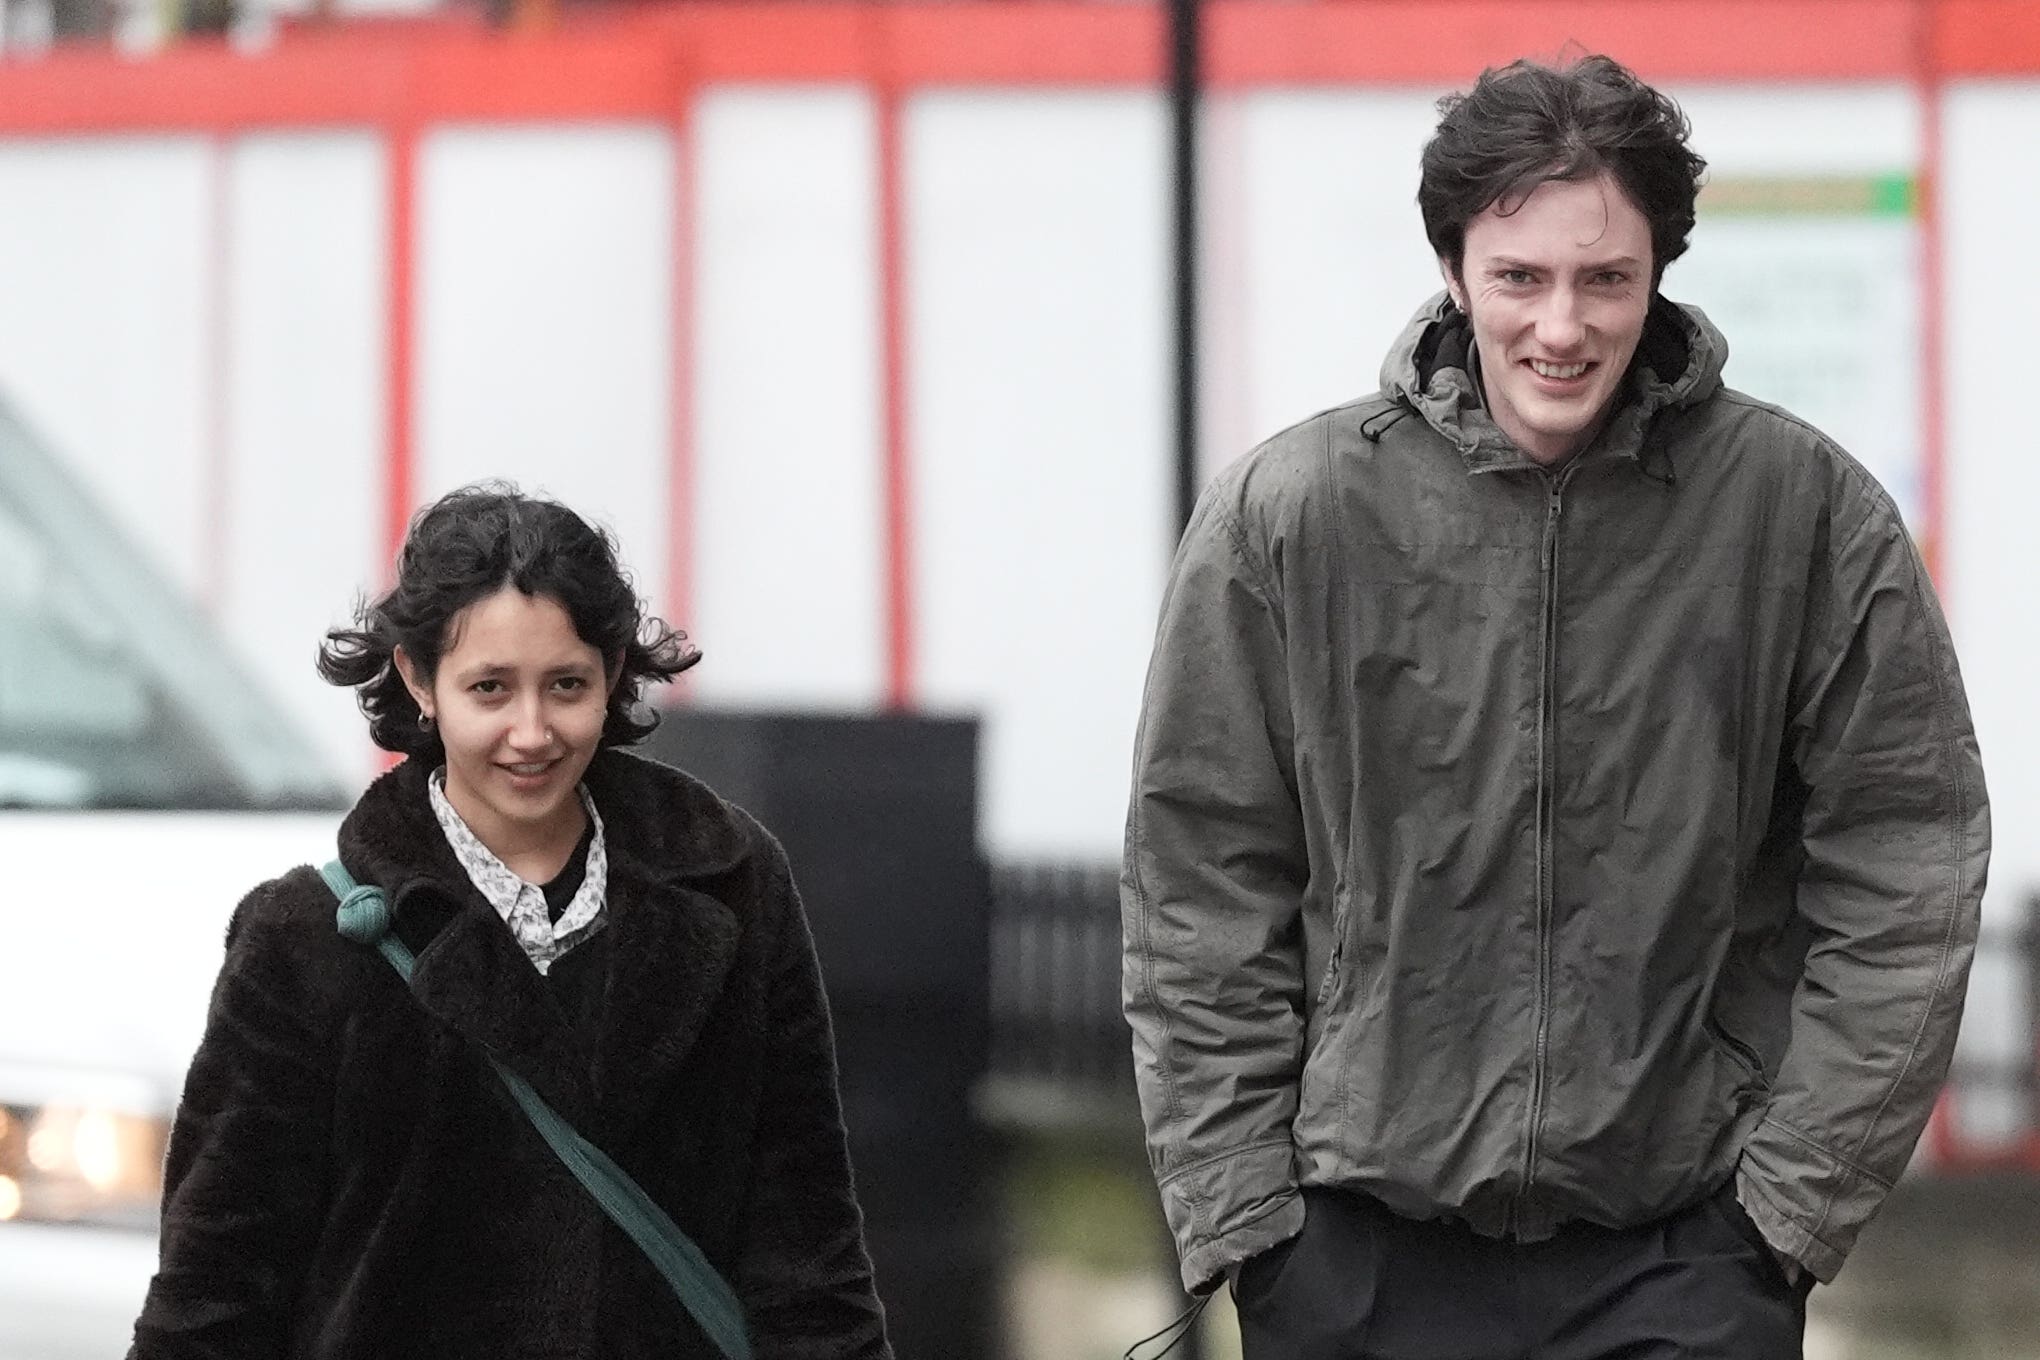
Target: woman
347,1175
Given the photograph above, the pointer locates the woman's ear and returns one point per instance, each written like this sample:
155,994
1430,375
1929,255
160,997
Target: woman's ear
421,693
612,668
1452,286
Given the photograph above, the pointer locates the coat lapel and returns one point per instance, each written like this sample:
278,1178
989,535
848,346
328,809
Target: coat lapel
475,978
671,949
675,852
471,976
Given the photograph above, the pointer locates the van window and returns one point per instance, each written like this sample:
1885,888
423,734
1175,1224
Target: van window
114,691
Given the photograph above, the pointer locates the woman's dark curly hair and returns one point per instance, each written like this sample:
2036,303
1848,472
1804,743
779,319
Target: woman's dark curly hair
466,546
1528,123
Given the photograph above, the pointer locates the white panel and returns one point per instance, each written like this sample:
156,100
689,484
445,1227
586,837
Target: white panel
1821,312
307,309
545,321
1991,554
787,525
1855,129
1335,260
1042,461
105,248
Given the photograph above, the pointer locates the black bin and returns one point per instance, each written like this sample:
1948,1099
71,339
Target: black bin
879,818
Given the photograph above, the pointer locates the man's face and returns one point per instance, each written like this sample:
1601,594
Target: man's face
1557,291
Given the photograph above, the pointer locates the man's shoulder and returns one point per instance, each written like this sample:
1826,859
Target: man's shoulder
1311,436
1285,466
1733,413
1754,435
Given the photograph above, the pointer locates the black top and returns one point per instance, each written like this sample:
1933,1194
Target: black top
559,894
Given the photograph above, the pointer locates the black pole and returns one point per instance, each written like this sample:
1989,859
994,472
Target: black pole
1186,78
1185,81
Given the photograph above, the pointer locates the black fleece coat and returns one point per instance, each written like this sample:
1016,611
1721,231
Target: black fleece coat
348,1178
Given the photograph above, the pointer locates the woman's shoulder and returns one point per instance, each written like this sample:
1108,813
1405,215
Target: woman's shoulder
672,818
289,924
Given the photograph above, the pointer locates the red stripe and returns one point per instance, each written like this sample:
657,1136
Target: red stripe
1984,37
680,476
400,480
1449,41
1933,305
898,546
607,65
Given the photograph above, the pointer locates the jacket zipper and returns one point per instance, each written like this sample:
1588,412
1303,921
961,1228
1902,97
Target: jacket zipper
1547,760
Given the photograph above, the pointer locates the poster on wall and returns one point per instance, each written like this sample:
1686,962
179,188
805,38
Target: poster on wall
1815,282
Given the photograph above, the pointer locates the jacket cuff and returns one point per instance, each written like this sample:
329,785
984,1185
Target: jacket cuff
1231,1208
1806,1202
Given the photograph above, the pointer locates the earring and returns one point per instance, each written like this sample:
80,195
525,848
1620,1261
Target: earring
424,721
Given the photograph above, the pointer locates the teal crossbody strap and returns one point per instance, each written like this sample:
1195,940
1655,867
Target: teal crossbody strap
364,917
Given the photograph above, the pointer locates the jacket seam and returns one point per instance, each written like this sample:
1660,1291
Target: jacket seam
1839,1159
1247,1223
1951,905
1256,576
1951,780
1771,1202
1342,609
1230,1154
1151,992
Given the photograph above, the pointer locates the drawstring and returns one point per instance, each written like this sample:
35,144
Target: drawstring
1668,478
1654,442
1181,1327
1372,432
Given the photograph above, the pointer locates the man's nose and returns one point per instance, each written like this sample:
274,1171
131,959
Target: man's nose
1559,325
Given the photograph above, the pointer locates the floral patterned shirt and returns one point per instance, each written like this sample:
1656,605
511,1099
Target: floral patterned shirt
521,904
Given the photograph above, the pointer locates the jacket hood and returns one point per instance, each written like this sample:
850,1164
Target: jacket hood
1678,363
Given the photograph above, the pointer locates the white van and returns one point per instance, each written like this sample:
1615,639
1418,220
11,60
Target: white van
145,785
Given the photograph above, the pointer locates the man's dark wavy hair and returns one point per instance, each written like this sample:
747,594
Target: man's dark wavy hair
1527,123
466,546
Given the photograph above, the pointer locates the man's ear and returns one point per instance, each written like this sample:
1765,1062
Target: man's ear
1453,284
421,693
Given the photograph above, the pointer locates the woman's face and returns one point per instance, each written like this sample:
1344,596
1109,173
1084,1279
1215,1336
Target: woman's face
520,701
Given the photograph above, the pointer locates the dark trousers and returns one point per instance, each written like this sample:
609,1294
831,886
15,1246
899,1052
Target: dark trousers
1361,1283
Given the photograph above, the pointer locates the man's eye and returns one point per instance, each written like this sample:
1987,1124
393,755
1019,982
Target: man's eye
1517,277
572,682
486,686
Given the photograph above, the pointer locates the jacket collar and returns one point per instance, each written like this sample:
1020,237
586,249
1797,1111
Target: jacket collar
677,854
1678,363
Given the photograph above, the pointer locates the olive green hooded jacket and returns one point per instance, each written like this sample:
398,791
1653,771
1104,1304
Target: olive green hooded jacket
1527,846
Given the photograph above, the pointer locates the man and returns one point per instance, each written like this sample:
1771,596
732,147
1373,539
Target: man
1557,830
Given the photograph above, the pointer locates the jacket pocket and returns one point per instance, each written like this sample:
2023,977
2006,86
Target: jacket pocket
1329,982
1738,1052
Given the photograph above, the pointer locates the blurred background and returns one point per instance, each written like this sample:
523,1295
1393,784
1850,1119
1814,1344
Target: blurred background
862,326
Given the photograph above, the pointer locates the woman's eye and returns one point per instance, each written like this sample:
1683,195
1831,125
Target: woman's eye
486,686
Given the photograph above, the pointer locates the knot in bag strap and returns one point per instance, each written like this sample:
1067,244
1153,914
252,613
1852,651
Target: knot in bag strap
364,916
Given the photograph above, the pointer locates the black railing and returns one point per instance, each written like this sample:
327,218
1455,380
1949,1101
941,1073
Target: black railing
1060,1049
1996,1098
